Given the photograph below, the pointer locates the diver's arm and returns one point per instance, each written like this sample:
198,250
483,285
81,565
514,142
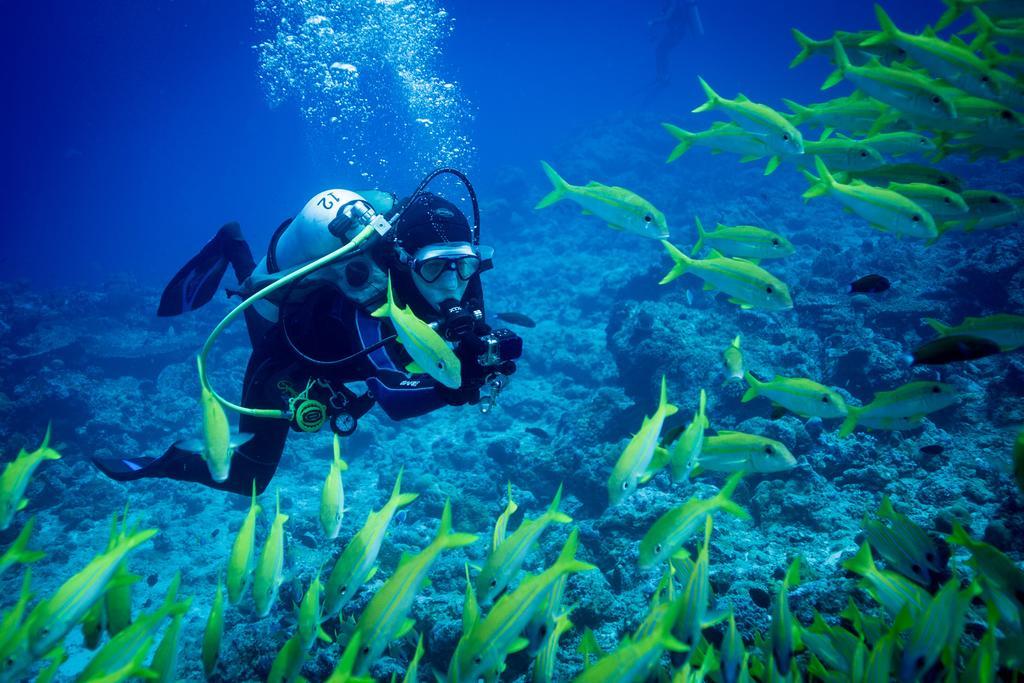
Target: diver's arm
403,396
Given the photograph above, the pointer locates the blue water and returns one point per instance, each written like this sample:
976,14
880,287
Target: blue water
132,131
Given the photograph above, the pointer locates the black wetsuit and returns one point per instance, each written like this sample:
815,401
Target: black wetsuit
324,325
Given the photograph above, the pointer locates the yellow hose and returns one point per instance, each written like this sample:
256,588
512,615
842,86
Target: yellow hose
363,235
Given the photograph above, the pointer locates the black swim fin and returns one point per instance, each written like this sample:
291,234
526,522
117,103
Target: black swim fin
198,280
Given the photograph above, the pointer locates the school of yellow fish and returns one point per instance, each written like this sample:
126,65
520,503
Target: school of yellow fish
916,94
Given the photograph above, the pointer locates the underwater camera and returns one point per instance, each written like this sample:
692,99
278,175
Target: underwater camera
494,350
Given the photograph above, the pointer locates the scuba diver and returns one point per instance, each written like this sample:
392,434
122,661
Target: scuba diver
309,313
677,17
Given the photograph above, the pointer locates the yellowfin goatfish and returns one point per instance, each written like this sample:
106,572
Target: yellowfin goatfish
287,665
332,497
738,452
721,137
429,351
999,574
840,153
357,562
386,616
343,671
851,41
16,476
732,360
501,524
213,632
742,241
747,284
311,615
941,203
674,528
13,648
243,552
217,444
635,458
892,591
987,209
899,143
908,92
54,618
695,597
123,655
270,570
19,553
500,632
799,395
884,209
956,65
909,173
685,451
913,400
1004,329
165,658
779,134
785,631
503,564
904,546
620,208
634,660
854,113
544,664
935,630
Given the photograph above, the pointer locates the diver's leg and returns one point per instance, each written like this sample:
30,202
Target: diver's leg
198,280
256,460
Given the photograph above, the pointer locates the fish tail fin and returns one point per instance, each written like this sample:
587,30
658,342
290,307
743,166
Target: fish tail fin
723,499
701,410
984,27
937,325
701,234
754,384
806,44
567,558
385,308
682,262
19,551
850,423
338,462
663,400
888,32
799,110
553,512
713,98
448,538
842,66
950,15
399,499
561,187
819,185
959,536
862,563
686,139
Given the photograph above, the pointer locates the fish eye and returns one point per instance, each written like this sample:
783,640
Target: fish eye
478,659
993,200
657,549
366,649
863,153
494,582
984,79
947,200
936,99
824,399
648,218
769,450
775,242
769,289
1005,115
915,218
625,485
785,136
936,389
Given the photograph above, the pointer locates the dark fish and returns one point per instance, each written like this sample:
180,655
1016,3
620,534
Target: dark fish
517,319
958,347
671,435
933,449
538,432
872,284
